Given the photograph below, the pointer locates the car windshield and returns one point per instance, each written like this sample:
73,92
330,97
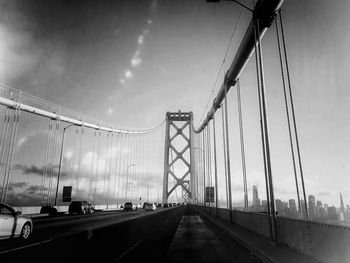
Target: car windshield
76,203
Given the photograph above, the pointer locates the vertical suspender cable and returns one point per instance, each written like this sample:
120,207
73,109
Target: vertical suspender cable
97,164
43,178
228,157
148,167
116,166
225,157
134,173
127,165
204,167
262,131
75,160
81,138
293,115
215,168
209,165
201,135
242,146
138,171
110,168
93,154
104,177
3,146
53,160
119,162
157,161
153,161
267,144
15,128
288,119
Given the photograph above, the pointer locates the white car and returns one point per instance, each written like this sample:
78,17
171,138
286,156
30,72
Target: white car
13,224
150,207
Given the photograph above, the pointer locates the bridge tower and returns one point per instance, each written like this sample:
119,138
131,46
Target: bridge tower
178,149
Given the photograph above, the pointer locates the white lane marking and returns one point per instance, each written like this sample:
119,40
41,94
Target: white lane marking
23,247
126,252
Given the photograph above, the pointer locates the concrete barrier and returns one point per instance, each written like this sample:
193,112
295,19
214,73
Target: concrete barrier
256,222
325,242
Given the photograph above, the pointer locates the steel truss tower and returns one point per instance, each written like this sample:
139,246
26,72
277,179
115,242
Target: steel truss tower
185,120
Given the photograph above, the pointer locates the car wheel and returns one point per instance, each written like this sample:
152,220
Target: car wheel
26,231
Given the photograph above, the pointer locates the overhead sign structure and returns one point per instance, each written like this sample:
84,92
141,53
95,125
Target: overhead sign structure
67,194
209,194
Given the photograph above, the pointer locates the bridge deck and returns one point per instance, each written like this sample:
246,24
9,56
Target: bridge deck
196,241
265,249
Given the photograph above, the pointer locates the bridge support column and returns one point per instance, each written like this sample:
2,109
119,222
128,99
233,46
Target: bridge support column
171,146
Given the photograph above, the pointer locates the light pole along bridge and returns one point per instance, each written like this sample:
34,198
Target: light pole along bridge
173,162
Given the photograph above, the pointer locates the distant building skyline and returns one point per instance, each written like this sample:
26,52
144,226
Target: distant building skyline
316,209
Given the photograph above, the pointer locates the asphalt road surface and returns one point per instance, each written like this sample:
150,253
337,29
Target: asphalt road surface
112,237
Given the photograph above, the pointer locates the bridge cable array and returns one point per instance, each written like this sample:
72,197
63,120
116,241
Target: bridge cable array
283,73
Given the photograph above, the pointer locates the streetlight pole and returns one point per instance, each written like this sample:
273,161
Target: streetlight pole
60,164
127,180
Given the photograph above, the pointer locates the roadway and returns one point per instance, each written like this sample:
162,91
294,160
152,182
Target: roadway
110,237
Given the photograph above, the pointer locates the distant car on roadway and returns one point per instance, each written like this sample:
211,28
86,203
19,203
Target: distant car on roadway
150,207
129,206
80,207
13,224
166,205
48,209
159,205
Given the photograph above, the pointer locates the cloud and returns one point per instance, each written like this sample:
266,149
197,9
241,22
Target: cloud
39,171
128,74
29,169
324,194
122,81
68,155
135,62
110,111
140,40
149,21
17,185
28,195
21,141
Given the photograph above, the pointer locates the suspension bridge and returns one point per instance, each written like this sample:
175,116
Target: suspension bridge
175,162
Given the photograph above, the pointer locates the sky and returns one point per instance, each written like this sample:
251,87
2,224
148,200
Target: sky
129,62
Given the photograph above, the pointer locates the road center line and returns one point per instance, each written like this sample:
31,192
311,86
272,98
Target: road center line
23,247
126,252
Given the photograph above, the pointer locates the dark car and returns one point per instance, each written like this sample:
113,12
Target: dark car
80,207
166,205
159,205
129,206
48,209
